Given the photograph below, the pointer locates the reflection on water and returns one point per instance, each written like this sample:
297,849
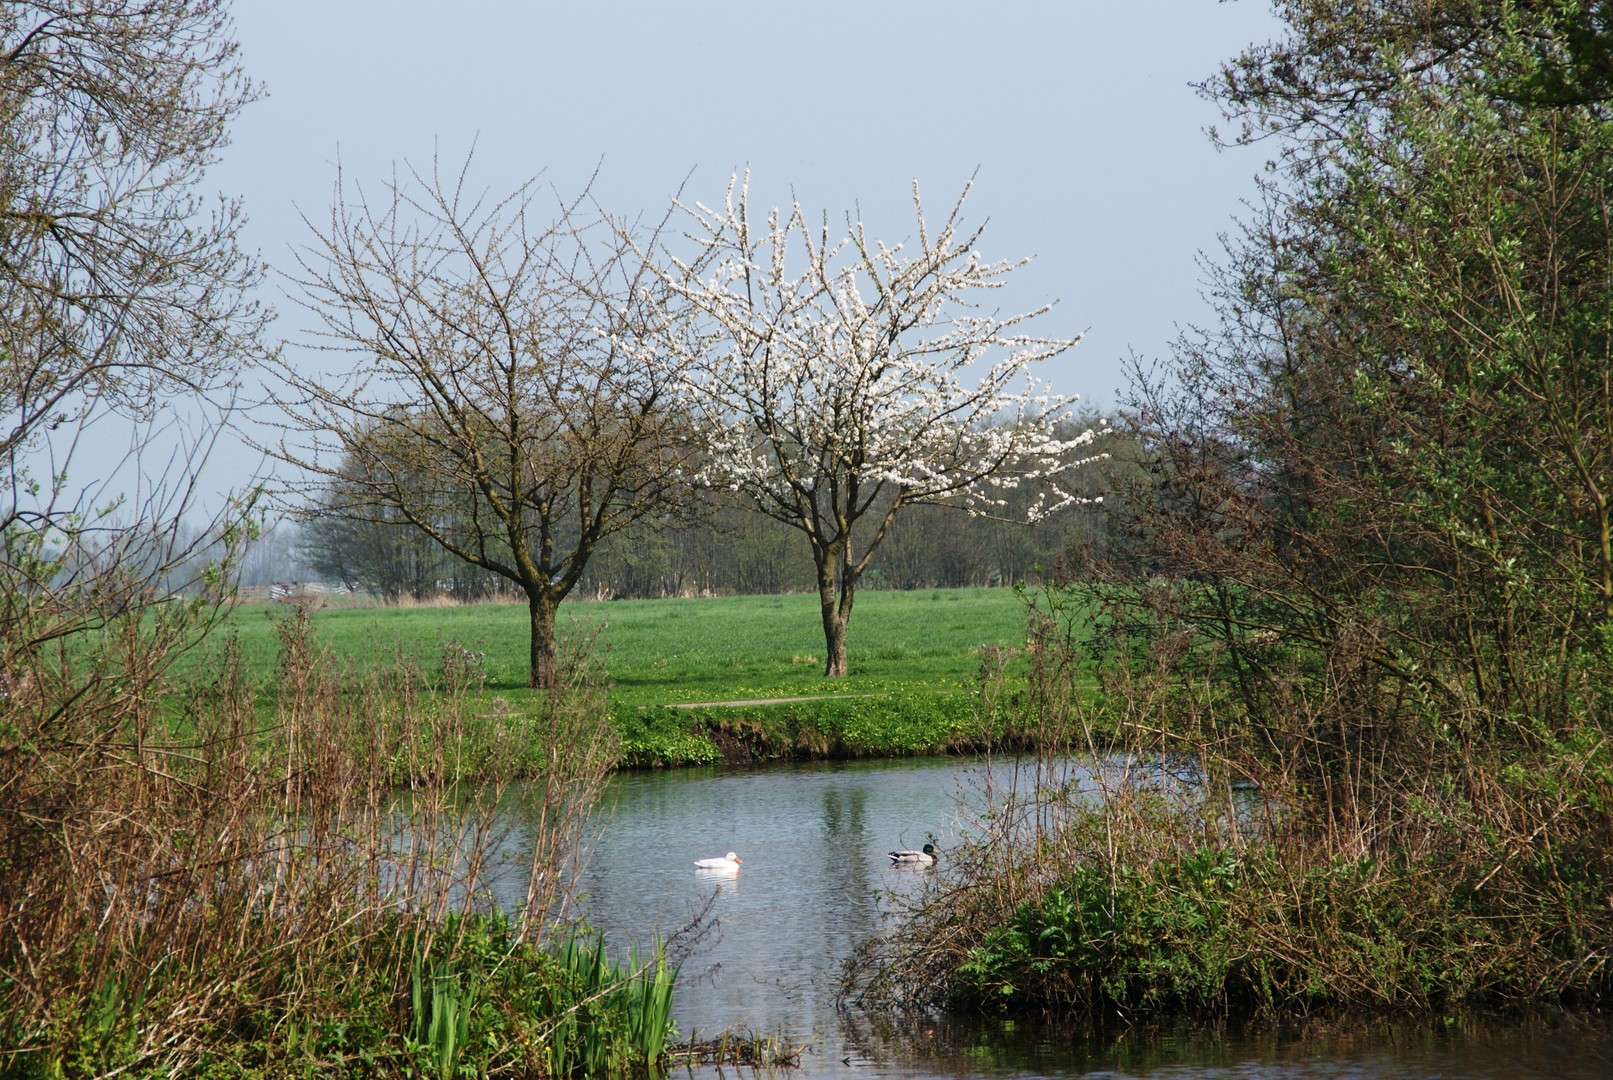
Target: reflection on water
1567,1049
815,883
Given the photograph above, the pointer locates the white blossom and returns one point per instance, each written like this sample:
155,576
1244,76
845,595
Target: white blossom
841,379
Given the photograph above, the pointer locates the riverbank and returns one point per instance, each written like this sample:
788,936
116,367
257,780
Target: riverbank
926,720
187,888
696,681
1343,856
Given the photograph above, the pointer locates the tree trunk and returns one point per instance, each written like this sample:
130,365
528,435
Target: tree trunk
544,673
836,616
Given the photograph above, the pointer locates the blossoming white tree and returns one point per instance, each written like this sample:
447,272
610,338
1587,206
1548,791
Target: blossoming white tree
842,380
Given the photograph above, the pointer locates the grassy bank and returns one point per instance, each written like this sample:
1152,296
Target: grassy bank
697,680
197,881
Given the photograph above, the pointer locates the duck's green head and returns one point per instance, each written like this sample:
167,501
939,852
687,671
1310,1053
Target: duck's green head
929,849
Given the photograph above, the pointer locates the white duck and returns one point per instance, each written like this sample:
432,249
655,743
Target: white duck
728,864
925,857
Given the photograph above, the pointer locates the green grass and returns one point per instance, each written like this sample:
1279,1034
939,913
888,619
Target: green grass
660,652
912,657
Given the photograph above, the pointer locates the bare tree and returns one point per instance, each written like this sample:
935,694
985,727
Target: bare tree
840,395
122,290
501,381
118,284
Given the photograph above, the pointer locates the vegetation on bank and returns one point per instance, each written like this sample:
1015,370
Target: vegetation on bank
1376,647
1218,866
894,723
700,680
249,893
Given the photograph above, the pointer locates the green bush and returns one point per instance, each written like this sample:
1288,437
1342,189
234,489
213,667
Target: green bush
1154,937
1217,930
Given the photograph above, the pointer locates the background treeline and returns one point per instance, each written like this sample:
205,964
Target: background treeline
718,547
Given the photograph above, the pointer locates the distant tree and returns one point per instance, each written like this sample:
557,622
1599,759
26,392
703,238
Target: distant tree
275,555
840,395
494,376
721,550
346,536
381,553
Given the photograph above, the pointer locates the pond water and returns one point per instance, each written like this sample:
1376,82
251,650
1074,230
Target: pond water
814,883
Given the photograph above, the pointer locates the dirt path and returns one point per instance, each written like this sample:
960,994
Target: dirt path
762,701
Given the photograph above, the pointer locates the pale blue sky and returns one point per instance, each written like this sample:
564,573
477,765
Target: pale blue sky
1088,141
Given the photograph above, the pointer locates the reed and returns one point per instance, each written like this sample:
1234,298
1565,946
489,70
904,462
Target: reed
194,881
747,1049
607,1019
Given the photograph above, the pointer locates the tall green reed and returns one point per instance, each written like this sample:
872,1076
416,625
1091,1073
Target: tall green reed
443,1002
608,1018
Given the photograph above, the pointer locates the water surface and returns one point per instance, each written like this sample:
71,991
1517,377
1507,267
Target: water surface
815,882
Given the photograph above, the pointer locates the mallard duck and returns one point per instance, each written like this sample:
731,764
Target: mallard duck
925,857
729,863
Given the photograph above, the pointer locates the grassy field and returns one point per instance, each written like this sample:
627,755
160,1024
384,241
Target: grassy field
660,652
912,655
